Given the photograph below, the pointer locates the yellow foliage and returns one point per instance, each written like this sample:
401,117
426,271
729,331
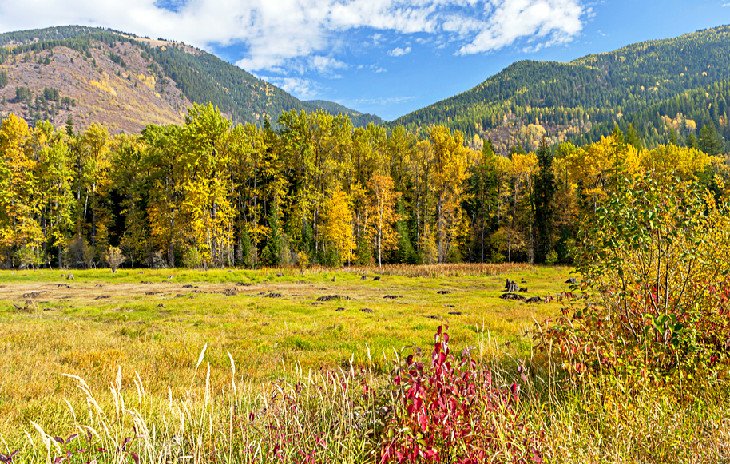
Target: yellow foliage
671,160
149,81
523,165
105,86
337,225
381,208
19,195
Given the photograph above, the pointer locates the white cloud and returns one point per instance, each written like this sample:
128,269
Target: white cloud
299,34
372,67
398,51
549,21
382,101
300,87
326,64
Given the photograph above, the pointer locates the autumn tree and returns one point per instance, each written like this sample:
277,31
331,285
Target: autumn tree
92,184
383,199
55,177
21,237
447,175
337,228
165,174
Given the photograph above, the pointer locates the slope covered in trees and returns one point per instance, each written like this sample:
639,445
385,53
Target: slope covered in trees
665,89
127,82
315,190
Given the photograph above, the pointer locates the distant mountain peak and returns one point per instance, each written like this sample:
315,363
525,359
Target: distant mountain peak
90,74
647,85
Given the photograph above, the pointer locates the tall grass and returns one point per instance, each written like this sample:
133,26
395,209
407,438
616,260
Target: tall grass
327,416
513,411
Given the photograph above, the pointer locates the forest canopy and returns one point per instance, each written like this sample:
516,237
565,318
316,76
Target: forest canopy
316,190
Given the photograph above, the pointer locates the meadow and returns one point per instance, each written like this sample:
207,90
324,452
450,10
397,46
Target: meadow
280,365
154,323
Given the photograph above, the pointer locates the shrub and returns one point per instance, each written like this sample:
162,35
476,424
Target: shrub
192,258
114,258
79,253
656,271
454,412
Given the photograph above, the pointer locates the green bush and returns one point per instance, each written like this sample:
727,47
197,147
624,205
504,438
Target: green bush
192,258
656,273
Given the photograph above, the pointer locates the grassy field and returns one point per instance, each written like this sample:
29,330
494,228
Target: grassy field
249,366
156,322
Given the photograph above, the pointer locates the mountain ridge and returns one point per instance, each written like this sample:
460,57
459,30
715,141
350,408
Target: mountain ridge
665,89
126,82
582,99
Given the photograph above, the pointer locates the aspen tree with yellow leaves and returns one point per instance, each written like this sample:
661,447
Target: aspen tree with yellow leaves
20,234
383,199
337,231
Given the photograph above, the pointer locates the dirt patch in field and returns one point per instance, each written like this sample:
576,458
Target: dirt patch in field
114,291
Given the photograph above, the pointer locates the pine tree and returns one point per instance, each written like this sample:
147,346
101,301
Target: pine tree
632,137
482,201
272,254
544,193
710,141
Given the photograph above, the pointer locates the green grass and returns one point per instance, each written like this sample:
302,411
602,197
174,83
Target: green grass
146,321
300,365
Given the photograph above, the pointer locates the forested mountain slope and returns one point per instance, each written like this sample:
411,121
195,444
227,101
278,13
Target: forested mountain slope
666,89
127,82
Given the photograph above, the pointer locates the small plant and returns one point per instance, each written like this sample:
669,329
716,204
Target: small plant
455,413
192,258
114,258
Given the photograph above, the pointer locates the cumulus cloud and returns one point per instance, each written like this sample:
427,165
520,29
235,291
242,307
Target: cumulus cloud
285,34
398,51
300,87
327,64
550,21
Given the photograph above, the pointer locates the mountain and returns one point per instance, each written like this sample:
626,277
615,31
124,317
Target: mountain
359,119
663,88
127,82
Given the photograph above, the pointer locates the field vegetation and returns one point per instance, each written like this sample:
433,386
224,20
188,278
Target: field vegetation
248,366
620,355
276,325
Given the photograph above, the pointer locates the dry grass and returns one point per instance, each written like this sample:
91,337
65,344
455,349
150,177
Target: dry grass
445,270
288,373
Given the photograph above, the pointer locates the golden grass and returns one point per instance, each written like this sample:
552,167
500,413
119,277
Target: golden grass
130,365
154,322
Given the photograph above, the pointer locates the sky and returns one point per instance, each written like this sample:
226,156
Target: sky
387,57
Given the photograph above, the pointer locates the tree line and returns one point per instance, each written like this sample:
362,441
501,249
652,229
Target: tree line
315,190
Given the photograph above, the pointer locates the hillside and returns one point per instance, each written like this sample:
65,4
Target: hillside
658,86
126,82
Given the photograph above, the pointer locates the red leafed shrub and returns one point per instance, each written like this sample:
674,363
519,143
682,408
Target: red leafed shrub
452,412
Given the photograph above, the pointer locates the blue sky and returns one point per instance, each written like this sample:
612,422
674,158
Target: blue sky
386,57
